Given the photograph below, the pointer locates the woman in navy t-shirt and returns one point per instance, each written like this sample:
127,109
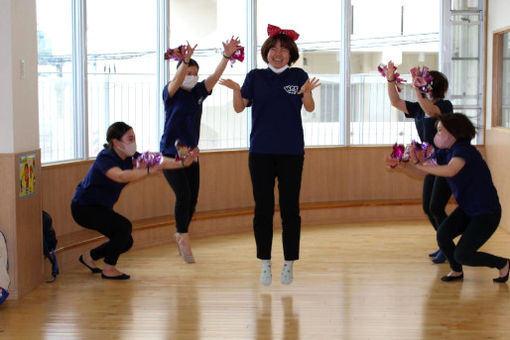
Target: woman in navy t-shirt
276,95
478,213
92,203
183,98
436,192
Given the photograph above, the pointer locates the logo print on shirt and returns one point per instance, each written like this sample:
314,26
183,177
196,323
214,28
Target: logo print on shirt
291,89
200,100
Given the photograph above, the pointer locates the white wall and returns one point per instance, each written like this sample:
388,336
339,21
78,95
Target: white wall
6,123
497,18
19,122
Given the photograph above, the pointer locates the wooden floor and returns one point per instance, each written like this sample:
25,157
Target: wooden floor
363,281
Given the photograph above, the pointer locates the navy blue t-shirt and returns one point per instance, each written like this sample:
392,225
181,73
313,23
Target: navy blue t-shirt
96,188
426,126
183,113
472,187
276,110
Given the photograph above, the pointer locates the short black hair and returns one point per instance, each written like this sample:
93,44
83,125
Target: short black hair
459,125
192,62
285,42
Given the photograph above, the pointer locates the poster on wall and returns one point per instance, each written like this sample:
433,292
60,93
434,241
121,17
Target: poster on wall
26,175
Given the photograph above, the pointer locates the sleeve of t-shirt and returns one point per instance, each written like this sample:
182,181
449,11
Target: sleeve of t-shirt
202,90
445,106
462,152
247,88
413,108
166,95
105,162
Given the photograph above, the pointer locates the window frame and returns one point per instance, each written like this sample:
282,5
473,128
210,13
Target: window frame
497,76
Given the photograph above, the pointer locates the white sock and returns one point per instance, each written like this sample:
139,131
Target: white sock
286,277
265,274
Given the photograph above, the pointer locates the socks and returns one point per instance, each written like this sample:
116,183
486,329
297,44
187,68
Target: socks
265,274
286,277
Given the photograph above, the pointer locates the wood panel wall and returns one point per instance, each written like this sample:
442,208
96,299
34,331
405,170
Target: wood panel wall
497,149
20,220
330,175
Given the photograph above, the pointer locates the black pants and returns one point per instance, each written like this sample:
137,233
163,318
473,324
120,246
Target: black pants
436,194
263,170
185,184
115,227
475,232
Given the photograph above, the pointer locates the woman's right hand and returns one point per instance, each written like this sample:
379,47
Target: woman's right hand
188,52
390,72
230,84
192,157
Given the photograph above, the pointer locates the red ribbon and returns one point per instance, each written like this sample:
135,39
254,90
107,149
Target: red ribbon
275,30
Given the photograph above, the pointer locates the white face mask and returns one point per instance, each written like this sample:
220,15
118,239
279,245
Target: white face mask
278,70
189,82
129,149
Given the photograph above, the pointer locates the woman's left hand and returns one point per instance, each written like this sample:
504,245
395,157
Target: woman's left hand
416,156
231,46
309,85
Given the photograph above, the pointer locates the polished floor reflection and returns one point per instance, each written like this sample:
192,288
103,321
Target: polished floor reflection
356,281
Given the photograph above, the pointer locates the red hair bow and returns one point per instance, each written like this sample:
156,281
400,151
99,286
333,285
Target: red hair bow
275,30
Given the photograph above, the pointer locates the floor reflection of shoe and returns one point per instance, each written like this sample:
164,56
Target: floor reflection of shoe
117,277
440,258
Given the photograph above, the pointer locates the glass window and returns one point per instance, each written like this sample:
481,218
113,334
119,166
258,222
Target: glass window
208,23
56,113
122,70
319,56
124,66
466,60
407,43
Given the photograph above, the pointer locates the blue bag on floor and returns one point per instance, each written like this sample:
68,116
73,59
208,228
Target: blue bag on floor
4,265
50,244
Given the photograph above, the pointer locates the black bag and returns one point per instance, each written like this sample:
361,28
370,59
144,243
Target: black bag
50,243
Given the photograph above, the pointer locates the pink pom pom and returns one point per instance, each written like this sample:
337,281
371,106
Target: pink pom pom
400,153
149,159
383,69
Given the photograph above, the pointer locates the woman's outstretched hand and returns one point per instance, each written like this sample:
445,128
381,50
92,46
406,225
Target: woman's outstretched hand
230,84
309,85
188,52
231,46
390,71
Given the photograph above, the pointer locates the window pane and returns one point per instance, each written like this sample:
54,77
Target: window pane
208,23
407,43
463,5
122,70
505,121
319,55
56,113
465,83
